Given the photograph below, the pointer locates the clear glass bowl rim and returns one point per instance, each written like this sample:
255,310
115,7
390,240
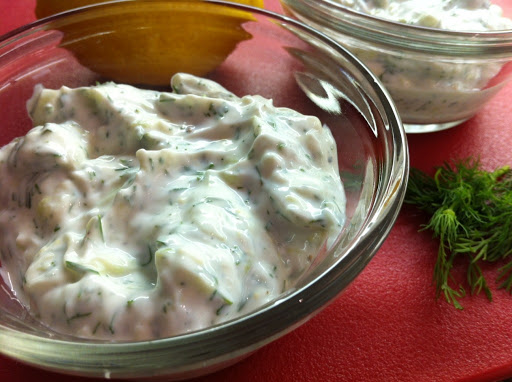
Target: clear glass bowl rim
252,331
393,35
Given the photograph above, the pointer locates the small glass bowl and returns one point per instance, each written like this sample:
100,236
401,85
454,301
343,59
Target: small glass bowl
437,78
281,59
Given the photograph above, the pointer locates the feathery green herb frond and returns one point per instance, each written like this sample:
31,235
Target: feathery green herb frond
470,212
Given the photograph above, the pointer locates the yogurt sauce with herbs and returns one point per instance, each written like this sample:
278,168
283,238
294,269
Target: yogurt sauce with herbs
458,15
430,89
134,214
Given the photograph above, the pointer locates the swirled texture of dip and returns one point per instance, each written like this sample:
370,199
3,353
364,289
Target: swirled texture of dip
458,15
134,214
432,88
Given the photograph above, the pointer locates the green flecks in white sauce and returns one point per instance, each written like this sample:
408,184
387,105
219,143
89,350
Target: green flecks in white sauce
459,15
136,214
432,88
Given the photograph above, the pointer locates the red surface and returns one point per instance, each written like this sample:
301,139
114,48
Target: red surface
386,326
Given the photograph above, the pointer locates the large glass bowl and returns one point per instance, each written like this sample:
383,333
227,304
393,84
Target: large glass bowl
278,58
437,78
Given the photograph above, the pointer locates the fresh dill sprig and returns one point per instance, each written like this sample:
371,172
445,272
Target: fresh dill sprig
470,212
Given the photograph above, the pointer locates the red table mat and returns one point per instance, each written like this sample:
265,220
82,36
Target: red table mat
387,325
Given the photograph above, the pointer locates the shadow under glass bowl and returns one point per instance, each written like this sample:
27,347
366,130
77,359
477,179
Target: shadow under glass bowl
278,58
437,78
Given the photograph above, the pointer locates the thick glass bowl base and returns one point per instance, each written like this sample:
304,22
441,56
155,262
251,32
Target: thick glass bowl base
413,128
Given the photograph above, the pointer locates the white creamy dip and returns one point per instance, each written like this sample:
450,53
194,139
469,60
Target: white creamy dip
459,15
134,214
430,88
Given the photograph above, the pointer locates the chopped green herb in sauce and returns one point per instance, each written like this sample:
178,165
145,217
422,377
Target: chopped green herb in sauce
172,210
